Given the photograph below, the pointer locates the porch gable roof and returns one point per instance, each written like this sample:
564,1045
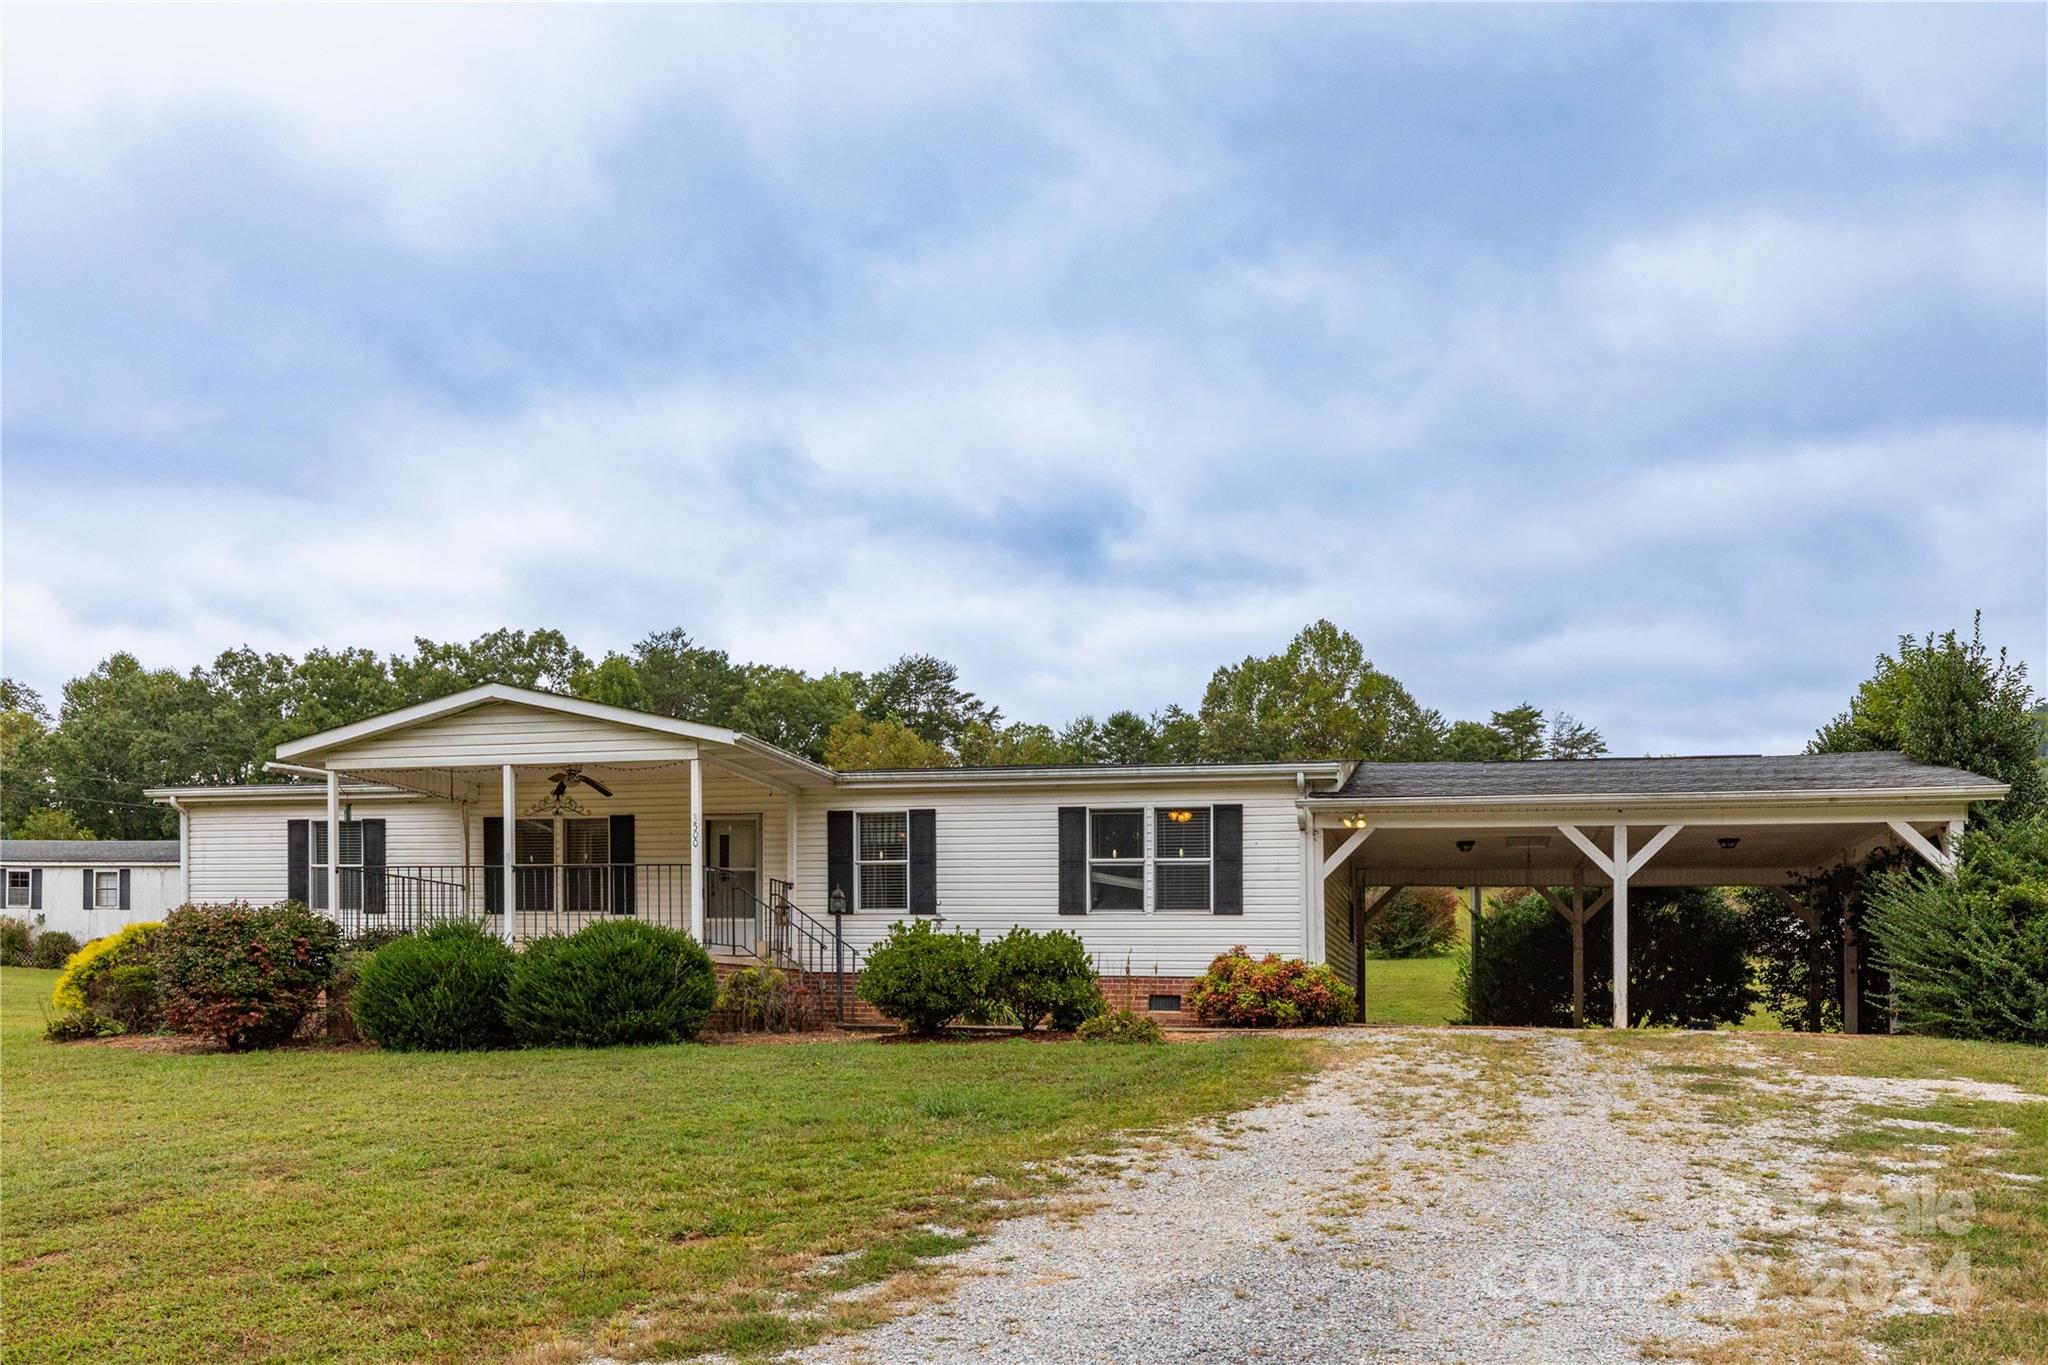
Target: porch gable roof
666,735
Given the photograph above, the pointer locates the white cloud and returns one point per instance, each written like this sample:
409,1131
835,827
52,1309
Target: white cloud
1926,73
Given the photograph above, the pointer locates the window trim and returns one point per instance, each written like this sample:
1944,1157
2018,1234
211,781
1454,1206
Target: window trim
28,885
1143,860
1152,835
97,873
859,890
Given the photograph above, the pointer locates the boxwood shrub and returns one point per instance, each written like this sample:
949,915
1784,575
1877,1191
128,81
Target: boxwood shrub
923,978
612,981
1036,976
1121,1026
243,975
1246,993
53,948
438,991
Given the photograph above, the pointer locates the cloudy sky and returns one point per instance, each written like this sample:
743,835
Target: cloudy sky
1660,364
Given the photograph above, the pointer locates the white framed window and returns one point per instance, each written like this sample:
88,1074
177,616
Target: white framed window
106,890
1183,858
350,863
18,883
1116,859
881,842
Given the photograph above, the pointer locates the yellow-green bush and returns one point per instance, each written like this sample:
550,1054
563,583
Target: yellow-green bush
113,979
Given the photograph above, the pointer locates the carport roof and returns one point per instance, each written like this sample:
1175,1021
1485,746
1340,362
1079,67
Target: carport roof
1710,775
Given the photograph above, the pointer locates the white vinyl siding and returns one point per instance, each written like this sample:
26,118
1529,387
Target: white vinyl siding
998,865
505,732
237,849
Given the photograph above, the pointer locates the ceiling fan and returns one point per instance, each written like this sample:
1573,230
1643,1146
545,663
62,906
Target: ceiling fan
563,778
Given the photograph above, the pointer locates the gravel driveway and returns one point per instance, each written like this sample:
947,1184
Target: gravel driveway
1433,1195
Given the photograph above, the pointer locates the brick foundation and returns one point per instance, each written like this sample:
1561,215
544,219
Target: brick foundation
1133,993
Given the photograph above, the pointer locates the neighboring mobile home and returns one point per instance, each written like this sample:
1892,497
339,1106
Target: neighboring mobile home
535,813
88,888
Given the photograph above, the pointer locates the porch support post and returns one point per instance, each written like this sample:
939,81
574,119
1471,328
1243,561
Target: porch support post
334,844
696,848
506,846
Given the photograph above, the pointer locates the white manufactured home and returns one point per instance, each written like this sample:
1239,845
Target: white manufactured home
89,888
534,813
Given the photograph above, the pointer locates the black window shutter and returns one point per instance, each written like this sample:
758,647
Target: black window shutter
1073,860
623,890
839,856
1227,828
494,864
298,859
126,902
373,867
924,862
92,877
35,888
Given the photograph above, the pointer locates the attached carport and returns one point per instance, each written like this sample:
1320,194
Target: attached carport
1602,826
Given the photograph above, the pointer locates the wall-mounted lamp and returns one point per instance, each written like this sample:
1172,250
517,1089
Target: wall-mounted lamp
1727,841
1466,845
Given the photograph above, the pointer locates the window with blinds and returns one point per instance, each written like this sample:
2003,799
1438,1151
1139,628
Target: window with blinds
1182,859
882,853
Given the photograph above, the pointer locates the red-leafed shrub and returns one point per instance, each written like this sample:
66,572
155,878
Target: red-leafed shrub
243,975
1244,992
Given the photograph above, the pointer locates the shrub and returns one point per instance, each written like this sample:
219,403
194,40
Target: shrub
1416,921
763,999
1688,962
1244,993
53,948
1122,1026
440,991
14,942
612,981
243,975
74,1026
111,981
921,977
1039,975
1968,955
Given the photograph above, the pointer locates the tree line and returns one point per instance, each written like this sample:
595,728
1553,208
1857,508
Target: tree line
122,728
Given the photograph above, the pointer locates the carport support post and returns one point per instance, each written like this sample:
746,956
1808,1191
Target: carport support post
507,903
1579,945
1620,913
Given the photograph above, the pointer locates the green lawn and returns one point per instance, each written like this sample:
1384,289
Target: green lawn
325,1205
1415,990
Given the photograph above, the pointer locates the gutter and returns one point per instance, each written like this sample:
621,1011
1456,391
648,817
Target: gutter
1995,792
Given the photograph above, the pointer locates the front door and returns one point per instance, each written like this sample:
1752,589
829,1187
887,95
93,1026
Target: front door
732,889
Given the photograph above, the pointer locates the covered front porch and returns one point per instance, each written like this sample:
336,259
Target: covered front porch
564,812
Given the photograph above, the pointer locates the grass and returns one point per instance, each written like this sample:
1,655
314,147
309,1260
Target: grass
1999,1246
324,1204
1415,990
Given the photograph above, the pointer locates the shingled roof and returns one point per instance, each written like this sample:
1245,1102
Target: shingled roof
99,852
1715,775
